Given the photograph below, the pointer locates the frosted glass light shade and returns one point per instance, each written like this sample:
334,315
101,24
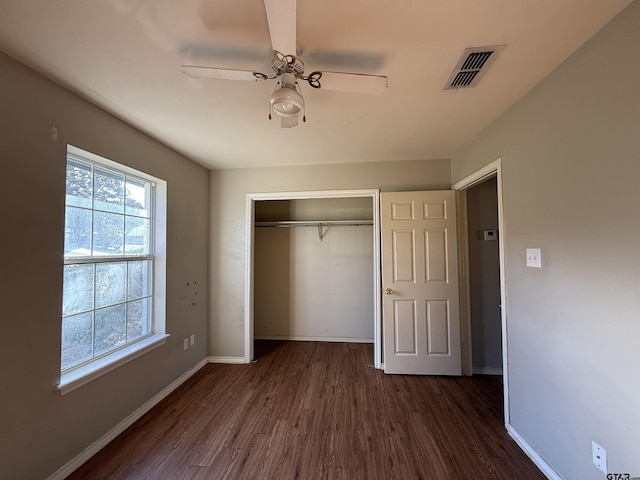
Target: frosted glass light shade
286,101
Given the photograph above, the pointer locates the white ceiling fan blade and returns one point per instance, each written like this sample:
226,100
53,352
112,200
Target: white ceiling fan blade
281,16
354,82
217,73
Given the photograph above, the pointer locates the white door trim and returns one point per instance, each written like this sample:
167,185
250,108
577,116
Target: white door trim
374,194
463,280
488,171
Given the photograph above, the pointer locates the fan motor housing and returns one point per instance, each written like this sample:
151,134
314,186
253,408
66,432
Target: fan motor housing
287,64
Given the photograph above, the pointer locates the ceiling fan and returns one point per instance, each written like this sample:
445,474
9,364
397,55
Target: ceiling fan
286,100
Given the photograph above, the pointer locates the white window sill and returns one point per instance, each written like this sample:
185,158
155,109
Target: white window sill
82,375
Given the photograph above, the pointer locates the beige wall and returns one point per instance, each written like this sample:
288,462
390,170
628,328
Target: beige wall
571,160
228,202
42,430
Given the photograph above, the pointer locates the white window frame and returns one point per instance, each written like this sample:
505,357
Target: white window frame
77,376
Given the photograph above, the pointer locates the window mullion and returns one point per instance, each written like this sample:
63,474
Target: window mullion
126,301
93,212
106,259
93,312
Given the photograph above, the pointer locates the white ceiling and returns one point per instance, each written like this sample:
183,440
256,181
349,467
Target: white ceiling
125,55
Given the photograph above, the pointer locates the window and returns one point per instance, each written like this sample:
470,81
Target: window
113,266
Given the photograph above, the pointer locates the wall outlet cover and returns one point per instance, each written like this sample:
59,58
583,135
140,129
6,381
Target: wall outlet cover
599,456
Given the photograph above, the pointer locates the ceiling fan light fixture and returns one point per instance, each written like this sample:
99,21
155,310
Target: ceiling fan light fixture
286,101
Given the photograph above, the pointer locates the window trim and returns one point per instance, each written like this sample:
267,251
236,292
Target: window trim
86,372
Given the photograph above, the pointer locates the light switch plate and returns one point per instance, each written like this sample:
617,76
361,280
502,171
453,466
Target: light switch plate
534,258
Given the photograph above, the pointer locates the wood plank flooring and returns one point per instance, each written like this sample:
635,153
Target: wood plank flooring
311,410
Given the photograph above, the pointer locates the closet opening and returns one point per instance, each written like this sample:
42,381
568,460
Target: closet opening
313,270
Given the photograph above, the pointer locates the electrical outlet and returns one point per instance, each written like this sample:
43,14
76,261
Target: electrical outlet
599,456
192,340
186,343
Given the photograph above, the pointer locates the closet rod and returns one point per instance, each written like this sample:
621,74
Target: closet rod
319,224
315,223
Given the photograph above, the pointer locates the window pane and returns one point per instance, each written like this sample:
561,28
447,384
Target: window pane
79,184
138,318
110,329
139,279
137,235
77,293
110,283
108,234
77,231
108,190
77,339
108,303
138,197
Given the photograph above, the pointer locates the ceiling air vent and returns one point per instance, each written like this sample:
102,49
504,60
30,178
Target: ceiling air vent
472,66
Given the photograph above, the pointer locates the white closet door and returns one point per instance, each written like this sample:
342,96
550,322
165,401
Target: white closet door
420,282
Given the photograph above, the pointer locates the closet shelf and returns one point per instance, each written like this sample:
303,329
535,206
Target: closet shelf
319,224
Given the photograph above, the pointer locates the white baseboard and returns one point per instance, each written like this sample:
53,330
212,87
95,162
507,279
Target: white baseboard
232,360
298,338
95,447
544,467
487,371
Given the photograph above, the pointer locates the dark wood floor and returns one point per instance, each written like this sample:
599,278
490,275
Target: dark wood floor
309,410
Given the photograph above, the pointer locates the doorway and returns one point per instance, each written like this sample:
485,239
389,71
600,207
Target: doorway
484,278
491,170
252,198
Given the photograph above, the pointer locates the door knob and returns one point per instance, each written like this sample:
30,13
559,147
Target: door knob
388,291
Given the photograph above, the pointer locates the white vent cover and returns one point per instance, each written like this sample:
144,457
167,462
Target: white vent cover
472,66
